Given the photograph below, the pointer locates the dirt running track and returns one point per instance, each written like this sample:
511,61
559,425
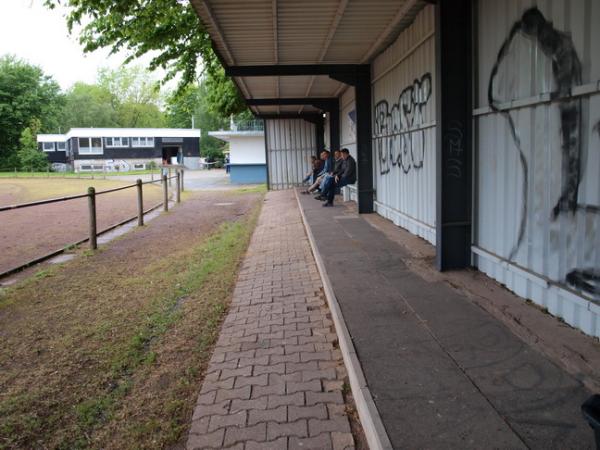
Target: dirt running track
32,232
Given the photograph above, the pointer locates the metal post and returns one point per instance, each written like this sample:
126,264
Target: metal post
182,188
151,175
92,211
48,171
453,47
16,173
178,191
140,203
165,194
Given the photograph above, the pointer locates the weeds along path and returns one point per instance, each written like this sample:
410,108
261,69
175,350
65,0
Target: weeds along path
108,350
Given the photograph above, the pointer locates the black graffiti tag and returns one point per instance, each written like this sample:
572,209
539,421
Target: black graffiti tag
396,141
566,71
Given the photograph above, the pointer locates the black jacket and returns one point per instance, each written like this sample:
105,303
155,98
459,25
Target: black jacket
338,167
349,170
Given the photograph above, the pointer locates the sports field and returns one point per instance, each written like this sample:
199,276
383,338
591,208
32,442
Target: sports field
32,232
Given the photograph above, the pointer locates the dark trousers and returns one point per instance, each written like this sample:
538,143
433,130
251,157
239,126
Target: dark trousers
335,186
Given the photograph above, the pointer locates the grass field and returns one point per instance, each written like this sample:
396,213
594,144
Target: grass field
83,175
32,232
108,350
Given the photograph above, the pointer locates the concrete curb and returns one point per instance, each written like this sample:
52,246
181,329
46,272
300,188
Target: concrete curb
370,419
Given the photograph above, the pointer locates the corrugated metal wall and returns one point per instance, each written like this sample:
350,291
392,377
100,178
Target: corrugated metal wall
290,144
537,155
348,133
404,128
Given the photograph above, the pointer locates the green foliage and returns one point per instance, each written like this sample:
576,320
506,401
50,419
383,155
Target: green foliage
89,105
26,93
222,96
169,30
30,158
192,101
127,97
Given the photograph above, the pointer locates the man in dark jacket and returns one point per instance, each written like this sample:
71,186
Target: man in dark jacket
348,176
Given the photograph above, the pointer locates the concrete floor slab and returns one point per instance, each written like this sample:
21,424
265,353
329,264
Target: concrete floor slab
443,372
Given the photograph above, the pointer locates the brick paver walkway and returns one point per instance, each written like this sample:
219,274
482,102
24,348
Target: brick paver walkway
275,379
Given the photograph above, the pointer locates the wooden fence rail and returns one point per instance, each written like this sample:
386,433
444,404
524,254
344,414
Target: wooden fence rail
91,195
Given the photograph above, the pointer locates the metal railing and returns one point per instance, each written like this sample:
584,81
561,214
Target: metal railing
247,125
91,195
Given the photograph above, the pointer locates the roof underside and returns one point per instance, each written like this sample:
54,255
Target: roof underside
289,32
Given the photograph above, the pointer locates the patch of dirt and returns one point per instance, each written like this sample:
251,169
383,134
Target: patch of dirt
32,232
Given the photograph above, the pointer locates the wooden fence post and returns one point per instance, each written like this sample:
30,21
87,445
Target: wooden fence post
140,202
92,211
169,176
182,188
178,191
165,194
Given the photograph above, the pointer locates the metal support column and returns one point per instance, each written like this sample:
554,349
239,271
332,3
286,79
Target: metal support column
453,87
363,140
320,135
334,124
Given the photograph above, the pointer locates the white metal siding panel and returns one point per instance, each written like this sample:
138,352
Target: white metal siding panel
348,133
290,144
553,250
404,129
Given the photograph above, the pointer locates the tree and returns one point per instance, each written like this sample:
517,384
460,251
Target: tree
30,158
192,101
26,93
168,29
126,97
135,96
89,105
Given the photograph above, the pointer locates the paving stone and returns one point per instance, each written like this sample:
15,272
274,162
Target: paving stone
209,410
274,415
277,444
298,428
318,426
342,441
242,393
322,442
318,411
313,398
258,380
220,421
231,373
256,433
201,441
303,386
286,399
256,403
275,368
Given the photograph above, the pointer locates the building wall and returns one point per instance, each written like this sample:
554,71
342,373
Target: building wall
247,150
290,144
404,136
248,173
190,147
537,160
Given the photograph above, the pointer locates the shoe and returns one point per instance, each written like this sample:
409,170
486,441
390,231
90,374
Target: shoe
327,204
305,192
320,197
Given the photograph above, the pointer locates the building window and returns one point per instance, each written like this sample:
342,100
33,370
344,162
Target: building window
61,146
139,166
117,142
48,146
142,142
90,146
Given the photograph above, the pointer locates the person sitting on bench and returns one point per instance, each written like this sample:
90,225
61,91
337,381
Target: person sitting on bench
328,180
325,171
348,176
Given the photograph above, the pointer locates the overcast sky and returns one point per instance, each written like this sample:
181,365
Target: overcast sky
38,35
